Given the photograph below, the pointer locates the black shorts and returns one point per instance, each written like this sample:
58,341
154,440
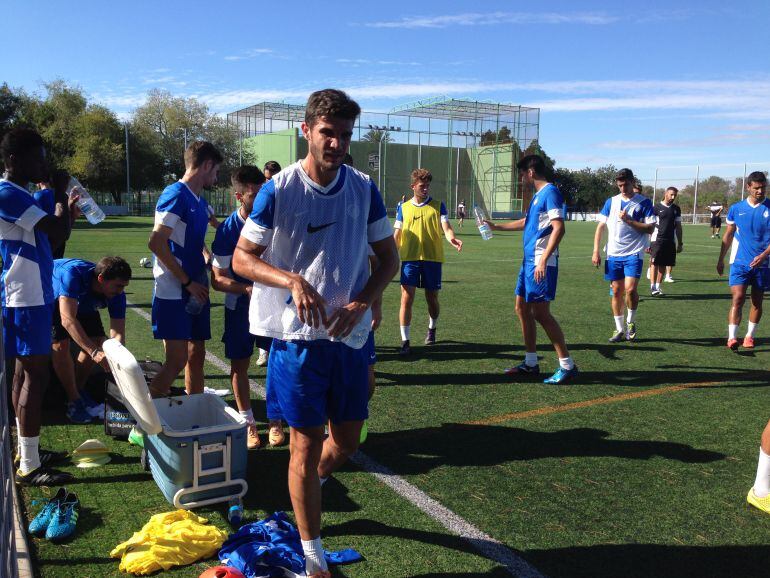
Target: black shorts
90,320
663,253
460,214
716,222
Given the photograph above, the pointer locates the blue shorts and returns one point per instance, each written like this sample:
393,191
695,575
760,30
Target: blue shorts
616,268
317,381
171,321
534,292
421,274
758,277
27,330
370,350
239,343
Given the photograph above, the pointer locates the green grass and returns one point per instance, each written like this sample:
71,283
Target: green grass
652,486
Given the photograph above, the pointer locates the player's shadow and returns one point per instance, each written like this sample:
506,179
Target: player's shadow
690,297
645,560
469,445
611,350
267,471
687,377
367,527
385,378
447,351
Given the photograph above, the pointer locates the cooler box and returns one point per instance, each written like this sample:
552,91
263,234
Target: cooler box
195,444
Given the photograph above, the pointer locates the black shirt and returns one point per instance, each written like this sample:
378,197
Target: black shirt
667,217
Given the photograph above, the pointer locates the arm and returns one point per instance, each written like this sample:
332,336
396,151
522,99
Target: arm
59,225
68,308
118,329
397,236
636,225
377,303
553,243
727,241
449,233
680,240
517,225
596,258
311,307
221,281
158,244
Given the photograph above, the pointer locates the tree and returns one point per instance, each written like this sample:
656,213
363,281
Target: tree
10,108
490,137
376,136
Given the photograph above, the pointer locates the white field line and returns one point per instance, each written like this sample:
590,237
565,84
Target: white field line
484,544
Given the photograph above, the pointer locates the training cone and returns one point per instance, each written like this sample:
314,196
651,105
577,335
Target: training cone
221,572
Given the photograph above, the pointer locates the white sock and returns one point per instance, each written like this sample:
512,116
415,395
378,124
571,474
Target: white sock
314,556
732,331
18,436
530,358
631,315
656,286
618,322
29,452
751,329
405,333
762,483
566,362
248,415
432,322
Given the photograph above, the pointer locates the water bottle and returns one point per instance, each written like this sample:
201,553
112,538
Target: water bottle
85,203
358,335
235,511
193,305
484,230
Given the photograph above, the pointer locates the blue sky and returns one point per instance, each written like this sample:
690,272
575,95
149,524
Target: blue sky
640,84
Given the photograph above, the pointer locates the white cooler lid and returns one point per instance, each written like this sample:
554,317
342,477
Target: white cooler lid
133,387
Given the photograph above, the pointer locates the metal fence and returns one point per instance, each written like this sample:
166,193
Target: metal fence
8,565
700,185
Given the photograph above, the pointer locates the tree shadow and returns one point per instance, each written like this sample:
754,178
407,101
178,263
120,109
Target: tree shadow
465,445
644,560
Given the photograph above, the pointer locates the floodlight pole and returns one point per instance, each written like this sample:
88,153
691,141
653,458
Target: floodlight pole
128,170
695,200
655,186
743,182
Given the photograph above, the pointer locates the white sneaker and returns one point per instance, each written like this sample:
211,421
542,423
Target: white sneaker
262,359
669,279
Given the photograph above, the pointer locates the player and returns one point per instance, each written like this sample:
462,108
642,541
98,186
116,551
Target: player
276,434
629,219
716,209
305,246
81,288
543,231
748,234
461,213
420,224
666,239
239,343
27,294
177,240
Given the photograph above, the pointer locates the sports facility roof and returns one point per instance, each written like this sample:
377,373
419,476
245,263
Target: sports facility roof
452,108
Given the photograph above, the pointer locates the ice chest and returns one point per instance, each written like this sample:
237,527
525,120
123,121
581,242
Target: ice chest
195,444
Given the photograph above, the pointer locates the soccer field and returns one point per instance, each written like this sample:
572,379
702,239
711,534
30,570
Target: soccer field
638,468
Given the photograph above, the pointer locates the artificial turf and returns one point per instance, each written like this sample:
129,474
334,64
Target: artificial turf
637,486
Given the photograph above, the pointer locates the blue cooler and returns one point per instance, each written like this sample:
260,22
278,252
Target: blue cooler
195,444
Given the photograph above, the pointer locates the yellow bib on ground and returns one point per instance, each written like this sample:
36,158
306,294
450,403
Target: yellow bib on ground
167,540
422,237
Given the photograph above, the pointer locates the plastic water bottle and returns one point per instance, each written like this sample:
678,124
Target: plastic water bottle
85,203
357,336
484,230
193,305
235,511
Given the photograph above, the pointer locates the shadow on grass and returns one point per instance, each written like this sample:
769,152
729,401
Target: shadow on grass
498,572
110,223
447,351
267,473
462,445
644,560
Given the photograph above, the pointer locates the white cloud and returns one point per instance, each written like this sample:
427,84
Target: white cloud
250,54
493,18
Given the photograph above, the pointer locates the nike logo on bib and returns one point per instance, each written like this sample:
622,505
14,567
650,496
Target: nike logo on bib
312,229
417,217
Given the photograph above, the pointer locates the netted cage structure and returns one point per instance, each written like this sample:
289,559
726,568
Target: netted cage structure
471,147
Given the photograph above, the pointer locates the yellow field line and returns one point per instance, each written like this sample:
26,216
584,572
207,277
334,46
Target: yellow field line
589,403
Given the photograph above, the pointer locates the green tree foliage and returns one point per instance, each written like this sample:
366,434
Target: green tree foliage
375,135
10,107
